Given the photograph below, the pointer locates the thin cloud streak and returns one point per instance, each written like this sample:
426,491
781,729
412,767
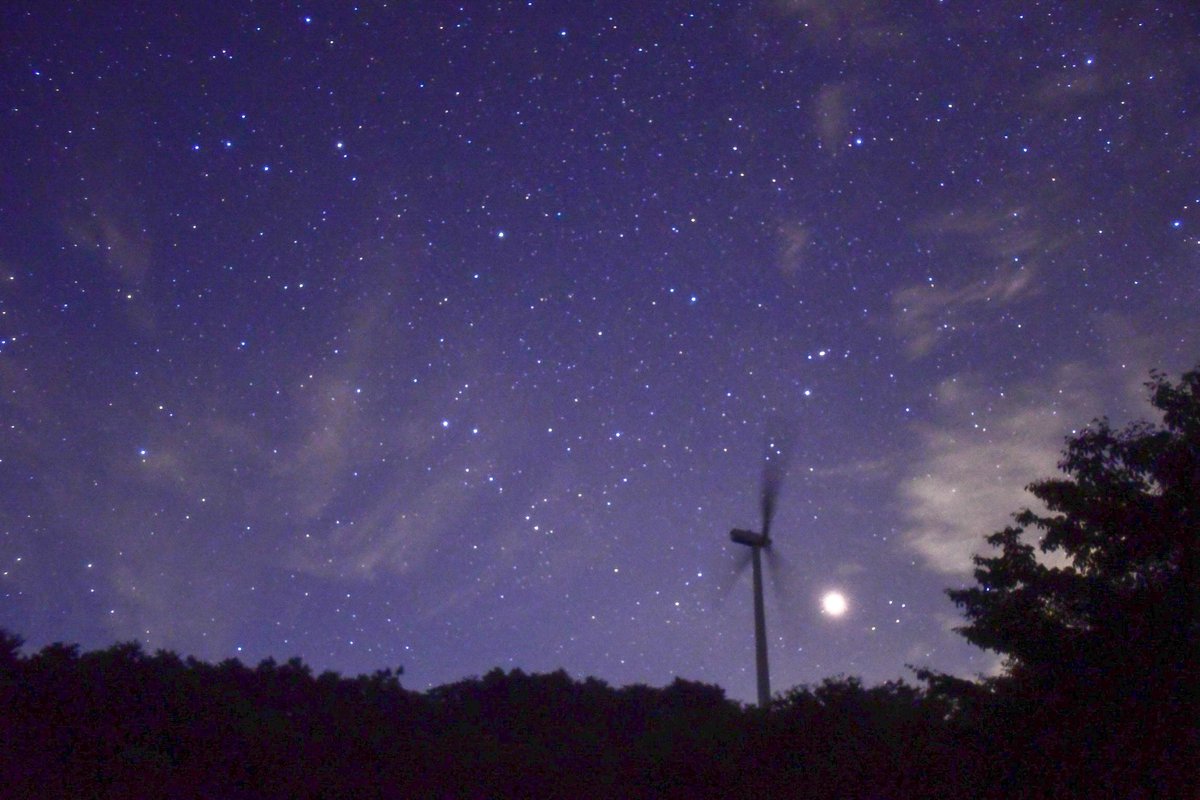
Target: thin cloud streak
925,314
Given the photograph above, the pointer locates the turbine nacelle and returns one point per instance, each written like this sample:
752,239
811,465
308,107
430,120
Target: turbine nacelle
749,538
773,469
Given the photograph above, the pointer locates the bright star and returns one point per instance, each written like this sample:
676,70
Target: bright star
833,604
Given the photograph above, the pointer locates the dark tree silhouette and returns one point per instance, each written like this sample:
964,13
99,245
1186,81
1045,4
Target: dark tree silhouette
1101,636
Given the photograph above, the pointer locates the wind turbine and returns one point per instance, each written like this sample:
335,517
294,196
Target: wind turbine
773,468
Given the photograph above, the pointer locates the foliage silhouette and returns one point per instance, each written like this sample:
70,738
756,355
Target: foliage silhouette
1101,690
121,723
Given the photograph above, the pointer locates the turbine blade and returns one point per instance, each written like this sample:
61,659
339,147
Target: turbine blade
770,495
775,463
772,479
729,577
781,572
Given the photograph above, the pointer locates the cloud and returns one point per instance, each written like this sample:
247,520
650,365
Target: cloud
842,23
1067,88
1001,251
794,239
995,234
848,569
122,244
967,491
861,468
394,535
831,116
926,313
985,445
110,223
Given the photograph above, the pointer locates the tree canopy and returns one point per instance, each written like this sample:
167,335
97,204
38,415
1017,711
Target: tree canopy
1097,617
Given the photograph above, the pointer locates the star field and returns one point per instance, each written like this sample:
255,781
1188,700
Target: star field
449,336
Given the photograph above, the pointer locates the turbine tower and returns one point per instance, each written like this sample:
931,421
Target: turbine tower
758,542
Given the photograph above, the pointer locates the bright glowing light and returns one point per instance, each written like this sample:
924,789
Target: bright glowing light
833,604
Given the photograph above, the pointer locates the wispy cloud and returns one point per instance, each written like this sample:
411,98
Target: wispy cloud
863,468
794,239
395,534
926,313
985,445
1000,249
831,116
121,243
994,234
862,23
110,224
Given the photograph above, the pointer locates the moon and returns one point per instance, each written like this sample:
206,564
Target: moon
833,604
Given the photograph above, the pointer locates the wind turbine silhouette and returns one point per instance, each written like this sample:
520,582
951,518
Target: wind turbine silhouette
758,542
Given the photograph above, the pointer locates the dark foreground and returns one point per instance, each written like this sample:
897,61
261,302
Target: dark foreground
120,723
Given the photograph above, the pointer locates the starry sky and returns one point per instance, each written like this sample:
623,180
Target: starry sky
451,335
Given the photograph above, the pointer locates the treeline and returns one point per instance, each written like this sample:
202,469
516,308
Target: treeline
123,723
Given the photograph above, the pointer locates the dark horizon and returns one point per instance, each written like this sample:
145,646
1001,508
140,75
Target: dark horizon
450,337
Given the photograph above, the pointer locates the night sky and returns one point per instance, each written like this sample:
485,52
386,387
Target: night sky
451,336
